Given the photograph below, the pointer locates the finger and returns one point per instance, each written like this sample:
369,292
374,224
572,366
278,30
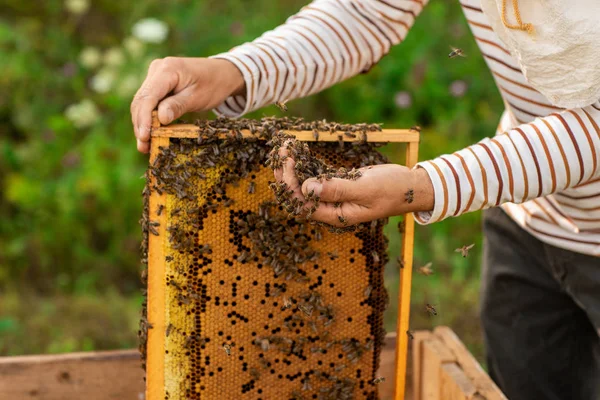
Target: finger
140,94
143,147
334,190
175,106
160,84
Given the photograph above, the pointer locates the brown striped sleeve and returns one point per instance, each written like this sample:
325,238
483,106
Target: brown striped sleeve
326,42
543,157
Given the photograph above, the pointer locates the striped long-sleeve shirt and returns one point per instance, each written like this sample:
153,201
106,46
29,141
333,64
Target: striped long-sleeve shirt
542,164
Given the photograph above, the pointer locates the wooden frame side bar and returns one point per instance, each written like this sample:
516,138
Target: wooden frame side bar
155,371
412,155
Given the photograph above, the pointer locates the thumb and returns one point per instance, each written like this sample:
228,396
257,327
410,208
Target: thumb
332,191
174,107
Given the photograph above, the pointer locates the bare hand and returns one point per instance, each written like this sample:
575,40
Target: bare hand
179,85
382,191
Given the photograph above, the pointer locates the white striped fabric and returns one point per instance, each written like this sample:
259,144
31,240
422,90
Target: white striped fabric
542,165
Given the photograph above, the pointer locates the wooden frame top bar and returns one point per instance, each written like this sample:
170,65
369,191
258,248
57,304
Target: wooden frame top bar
386,135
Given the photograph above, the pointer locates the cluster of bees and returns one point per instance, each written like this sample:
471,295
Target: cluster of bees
306,166
273,243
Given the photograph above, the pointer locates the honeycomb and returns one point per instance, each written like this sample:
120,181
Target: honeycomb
257,305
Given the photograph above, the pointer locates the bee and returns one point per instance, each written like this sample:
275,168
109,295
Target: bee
254,373
350,135
306,310
340,367
228,202
375,256
337,204
306,384
456,52
160,209
465,249
400,262
409,196
169,258
316,135
281,105
169,329
368,290
342,220
287,304
416,128
227,349
426,269
401,227
184,299
430,309
251,188
332,255
188,342
379,380
410,335
341,142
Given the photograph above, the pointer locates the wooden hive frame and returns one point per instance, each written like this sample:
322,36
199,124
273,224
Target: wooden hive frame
161,136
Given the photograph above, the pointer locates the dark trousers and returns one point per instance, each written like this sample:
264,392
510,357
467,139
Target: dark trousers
540,314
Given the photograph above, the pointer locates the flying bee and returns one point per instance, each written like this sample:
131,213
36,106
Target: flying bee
456,52
426,269
409,196
410,335
227,349
465,249
379,380
287,304
430,309
281,105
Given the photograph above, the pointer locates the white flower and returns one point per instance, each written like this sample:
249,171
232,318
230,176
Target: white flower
83,114
458,88
403,100
77,7
103,81
133,46
114,57
89,57
128,85
150,30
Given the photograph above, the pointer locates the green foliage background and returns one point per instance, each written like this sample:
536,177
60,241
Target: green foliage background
70,197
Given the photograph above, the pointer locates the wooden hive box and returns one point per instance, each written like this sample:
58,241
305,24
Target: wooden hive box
245,303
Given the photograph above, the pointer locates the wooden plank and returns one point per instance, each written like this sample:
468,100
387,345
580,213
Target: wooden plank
454,384
155,373
91,376
435,354
386,135
402,323
483,383
417,357
109,375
